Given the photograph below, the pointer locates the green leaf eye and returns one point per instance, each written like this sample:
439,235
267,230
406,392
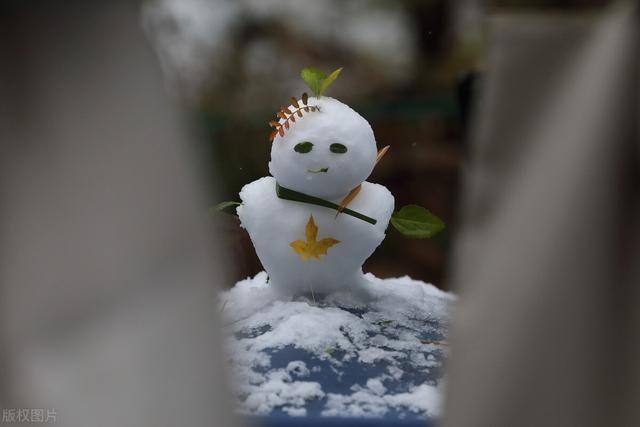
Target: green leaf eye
338,148
303,147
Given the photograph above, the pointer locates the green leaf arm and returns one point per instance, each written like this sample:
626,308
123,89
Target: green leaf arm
224,205
415,221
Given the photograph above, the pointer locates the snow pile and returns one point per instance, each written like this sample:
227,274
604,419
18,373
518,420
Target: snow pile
370,401
376,354
279,389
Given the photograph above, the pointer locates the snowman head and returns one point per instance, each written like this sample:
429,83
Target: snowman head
326,153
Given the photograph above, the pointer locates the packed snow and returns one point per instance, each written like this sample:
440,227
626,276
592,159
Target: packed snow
376,353
335,123
274,223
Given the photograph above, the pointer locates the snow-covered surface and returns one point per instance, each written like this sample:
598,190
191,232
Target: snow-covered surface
375,354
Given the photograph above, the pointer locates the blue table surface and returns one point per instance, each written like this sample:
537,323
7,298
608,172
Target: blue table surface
408,344
286,421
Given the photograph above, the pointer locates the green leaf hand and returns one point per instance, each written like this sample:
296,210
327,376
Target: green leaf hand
416,221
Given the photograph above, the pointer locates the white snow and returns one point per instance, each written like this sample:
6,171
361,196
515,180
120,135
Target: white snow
376,386
298,368
334,123
274,223
382,325
423,398
295,412
279,389
369,402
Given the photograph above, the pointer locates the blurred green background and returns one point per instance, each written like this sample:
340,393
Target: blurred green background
409,69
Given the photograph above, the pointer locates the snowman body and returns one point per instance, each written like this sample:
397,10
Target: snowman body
324,154
274,223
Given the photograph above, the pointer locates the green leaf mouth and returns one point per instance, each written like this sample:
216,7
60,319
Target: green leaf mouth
321,170
416,221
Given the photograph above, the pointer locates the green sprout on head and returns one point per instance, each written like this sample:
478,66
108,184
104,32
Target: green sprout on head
318,81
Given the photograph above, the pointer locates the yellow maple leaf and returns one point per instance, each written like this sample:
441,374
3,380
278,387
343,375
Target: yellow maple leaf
311,247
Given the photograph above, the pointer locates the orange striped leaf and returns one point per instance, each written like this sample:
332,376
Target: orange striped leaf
349,198
382,152
353,193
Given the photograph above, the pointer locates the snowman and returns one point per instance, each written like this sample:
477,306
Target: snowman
316,219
